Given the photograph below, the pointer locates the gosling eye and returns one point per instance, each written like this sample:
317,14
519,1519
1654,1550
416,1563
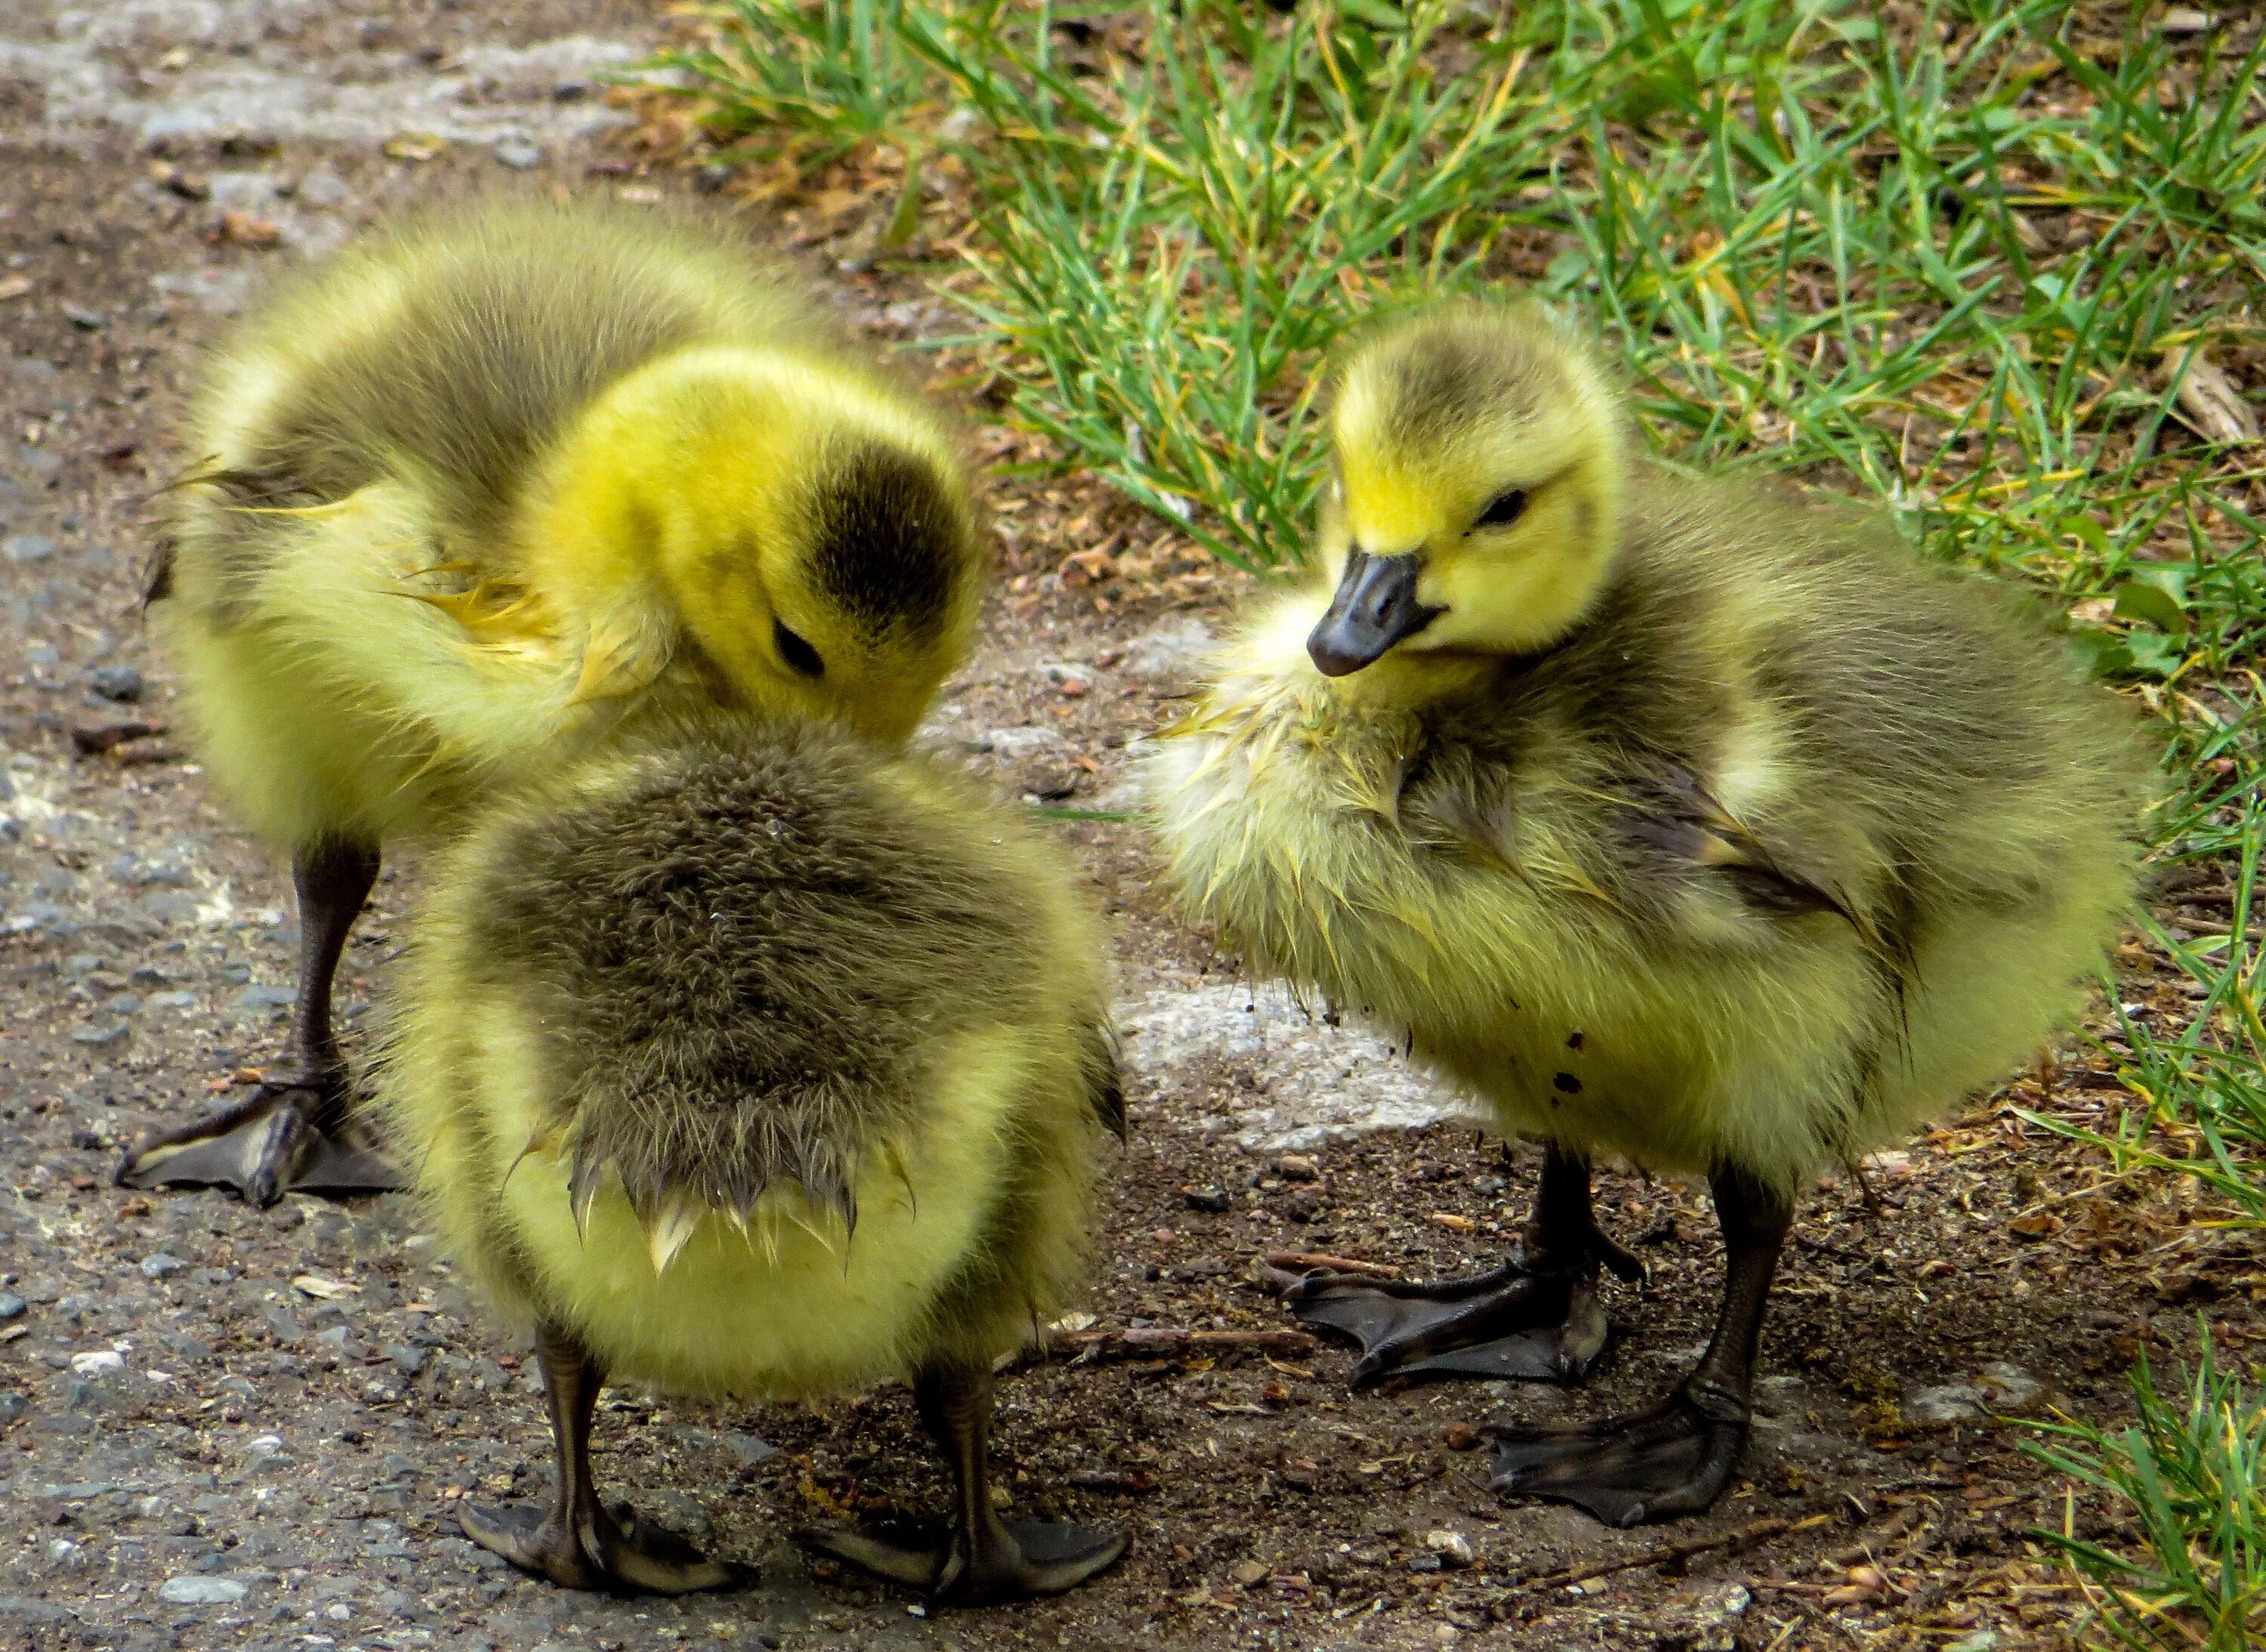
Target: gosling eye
799,655
1503,509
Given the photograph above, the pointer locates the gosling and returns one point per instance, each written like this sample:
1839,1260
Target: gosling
751,1059
1680,817
485,493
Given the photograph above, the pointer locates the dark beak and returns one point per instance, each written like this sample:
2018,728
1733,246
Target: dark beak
1376,607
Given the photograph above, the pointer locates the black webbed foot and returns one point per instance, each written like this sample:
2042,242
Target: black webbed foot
607,1549
286,1134
1537,1317
1674,1459
1017,1559
1507,1323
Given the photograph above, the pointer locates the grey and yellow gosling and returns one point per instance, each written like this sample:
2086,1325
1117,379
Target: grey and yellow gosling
485,490
1684,818
751,1059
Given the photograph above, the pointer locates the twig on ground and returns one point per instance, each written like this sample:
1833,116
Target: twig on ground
1669,1554
1309,1262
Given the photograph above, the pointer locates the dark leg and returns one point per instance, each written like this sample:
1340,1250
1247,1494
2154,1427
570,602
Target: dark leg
293,1131
1537,1316
1677,1458
578,1543
983,1559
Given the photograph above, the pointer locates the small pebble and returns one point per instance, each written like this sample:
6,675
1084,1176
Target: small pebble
518,155
1459,1437
84,320
1454,1547
27,547
162,1266
1213,1199
119,683
203,1591
99,1036
11,1305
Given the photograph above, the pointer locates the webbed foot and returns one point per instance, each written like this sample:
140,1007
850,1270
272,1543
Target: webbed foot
1674,1459
1015,1560
286,1134
1542,1326
607,1549
1537,1317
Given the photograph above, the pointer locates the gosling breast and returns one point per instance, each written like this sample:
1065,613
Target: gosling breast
1790,843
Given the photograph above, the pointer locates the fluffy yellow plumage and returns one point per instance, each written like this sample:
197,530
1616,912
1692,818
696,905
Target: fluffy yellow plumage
1681,818
751,1059
485,492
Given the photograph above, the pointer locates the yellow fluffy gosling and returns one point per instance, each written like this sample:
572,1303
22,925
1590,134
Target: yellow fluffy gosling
1684,818
475,494
752,1059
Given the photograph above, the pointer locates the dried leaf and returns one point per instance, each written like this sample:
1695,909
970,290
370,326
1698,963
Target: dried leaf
244,229
416,146
2208,402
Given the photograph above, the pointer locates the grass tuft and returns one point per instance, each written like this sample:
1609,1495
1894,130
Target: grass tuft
2191,1472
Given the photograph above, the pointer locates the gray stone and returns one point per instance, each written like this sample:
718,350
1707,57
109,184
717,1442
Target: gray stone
322,187
11,1305
171,1001
261,1001
13,1404
119,683
99,1034
159,1265
27,547
1937,1408
412,1360
1016,743
20,1608
203,1591
517,155
749,1448
1176,646
1302,1083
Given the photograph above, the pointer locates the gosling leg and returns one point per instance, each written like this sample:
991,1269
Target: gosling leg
1537,1317
1677,1458
292,1131
982,1559
577,1542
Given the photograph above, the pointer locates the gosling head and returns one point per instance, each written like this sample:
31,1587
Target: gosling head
794,528
1472,509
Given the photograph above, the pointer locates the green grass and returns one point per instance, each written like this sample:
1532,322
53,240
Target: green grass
1955,261
2191,1472
1947,274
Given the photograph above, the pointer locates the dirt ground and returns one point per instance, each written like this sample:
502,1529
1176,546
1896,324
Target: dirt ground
223,1428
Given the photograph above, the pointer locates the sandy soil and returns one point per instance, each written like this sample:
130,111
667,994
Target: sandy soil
228,1427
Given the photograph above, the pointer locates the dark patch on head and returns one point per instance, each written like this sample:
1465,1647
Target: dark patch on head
1573,1039
887,541
1566,1084
1444,375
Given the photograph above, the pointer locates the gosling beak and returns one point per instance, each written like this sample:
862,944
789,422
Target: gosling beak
1376,607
